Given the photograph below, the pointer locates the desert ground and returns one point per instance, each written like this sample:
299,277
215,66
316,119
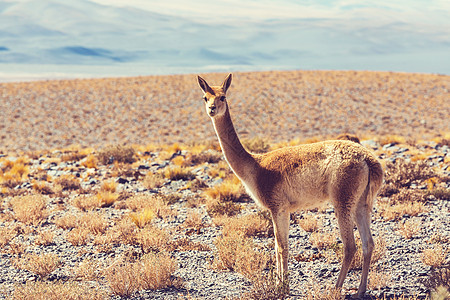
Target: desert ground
116,188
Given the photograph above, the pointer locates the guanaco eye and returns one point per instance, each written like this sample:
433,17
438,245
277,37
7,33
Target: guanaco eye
222,98
206,99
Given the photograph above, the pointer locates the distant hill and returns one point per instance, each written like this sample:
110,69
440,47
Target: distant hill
327,35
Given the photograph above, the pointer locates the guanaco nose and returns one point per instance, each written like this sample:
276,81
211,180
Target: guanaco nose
212,107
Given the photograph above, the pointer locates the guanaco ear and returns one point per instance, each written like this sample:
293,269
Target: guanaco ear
204,85
226,84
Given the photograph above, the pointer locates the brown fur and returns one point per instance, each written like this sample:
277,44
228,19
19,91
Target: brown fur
305,176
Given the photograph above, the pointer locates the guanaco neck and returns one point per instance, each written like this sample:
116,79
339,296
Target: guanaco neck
240,161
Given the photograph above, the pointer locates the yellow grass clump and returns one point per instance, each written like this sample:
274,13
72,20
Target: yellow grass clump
29,209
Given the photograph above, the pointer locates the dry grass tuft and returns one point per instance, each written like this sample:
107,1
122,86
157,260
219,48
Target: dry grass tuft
316,292
158,203
153,180
41,265
221,199
57,291
156,270
309,223
68,183
143,217
78,236
42,187
178,173
86,203
409,228
248,225
152,239
193,220
90,162
256,144
29,209
67,221
45,238
435,256
6,235
117,153
268,287
153,271
401,173
378,279
208,156
88,269
394,212
324,240
107,198
236,253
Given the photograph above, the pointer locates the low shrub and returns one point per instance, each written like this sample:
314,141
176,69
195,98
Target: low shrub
69,290
29,209
117,153
41,265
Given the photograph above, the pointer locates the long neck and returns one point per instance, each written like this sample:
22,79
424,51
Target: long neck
237,157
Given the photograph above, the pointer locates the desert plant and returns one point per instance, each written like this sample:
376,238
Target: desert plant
90,162
208,156
178,173
378,279
152,239
117,153
158,203
221,199
409,228
6,235
143,217
44,238
378,253
248,225
401,173
323,240
78,236
107,198
29,209
193,220
85,203
94,222
256,144
68,182
38,290
185,244
153,180
41,265
67,221
123,232
309,223
268,287
42,187
236,253
156,271
434,256
391,211
88,269
123,279
109,186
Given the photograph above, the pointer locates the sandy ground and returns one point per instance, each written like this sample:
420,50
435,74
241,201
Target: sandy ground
276,105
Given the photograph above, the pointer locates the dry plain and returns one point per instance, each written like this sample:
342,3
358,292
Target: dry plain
115,188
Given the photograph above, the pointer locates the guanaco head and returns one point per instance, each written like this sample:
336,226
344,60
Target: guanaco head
215,96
